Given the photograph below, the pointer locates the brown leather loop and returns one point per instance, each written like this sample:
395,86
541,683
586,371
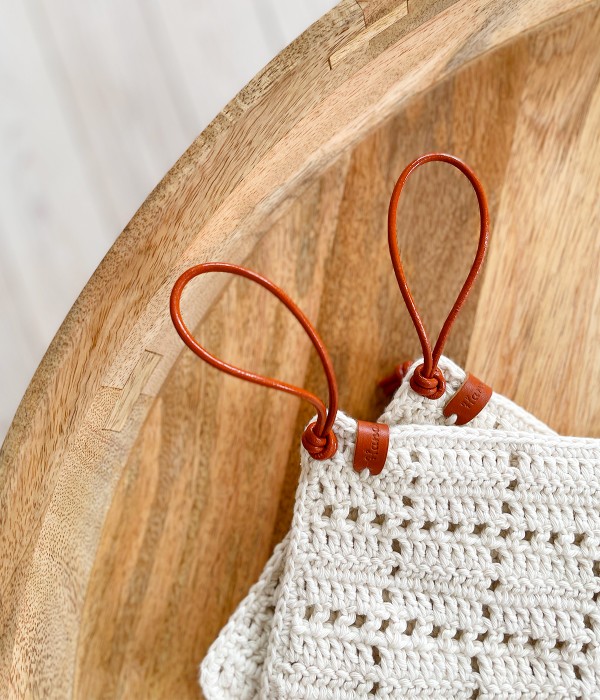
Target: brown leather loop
318,438
392,382
319,447
429,369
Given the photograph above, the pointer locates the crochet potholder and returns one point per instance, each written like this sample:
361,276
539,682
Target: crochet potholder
470,567
429,560
233,665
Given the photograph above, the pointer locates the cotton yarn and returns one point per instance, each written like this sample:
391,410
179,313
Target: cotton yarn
500,413
233,666
470,567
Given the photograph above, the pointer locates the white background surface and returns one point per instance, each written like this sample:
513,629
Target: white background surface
98,100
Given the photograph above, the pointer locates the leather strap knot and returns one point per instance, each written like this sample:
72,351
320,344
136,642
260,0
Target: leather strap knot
430,387
319,447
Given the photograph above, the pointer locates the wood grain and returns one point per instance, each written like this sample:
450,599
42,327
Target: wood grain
209,424
88,98
544,271
131,392
374,10
376,24
124,550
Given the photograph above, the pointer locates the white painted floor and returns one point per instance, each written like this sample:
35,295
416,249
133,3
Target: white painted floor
97,101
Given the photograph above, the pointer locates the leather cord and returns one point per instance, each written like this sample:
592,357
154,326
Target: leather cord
318,438
427,379
390,383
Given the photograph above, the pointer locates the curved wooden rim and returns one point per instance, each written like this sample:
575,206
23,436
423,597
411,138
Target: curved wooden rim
116,345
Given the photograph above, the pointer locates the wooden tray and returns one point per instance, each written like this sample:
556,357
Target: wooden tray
142,491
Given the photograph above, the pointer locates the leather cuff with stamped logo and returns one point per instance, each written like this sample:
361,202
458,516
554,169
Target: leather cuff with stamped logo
469,400
372,442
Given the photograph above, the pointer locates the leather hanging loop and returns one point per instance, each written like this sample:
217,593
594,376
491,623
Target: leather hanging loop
318,439
427,379
390,383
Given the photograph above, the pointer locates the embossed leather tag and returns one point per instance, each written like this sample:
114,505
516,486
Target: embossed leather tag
469,400
372,442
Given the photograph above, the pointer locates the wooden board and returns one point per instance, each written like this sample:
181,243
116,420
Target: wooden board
141,490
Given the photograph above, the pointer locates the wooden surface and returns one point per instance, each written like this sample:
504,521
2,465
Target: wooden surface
98,102
142,491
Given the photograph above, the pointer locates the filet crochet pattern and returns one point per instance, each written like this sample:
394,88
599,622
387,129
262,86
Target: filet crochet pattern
233,665
470,567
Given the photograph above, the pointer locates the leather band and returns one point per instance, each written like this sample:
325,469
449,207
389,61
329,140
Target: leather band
469,400
372,442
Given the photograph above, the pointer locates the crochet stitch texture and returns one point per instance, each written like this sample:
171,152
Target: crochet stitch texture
233,666
470,567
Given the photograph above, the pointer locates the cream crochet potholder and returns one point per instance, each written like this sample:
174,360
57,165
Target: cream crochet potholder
233,665
470,567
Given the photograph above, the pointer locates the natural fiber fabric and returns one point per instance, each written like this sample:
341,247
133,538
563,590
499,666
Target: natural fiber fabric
233,665
470,567
408,407
232,668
